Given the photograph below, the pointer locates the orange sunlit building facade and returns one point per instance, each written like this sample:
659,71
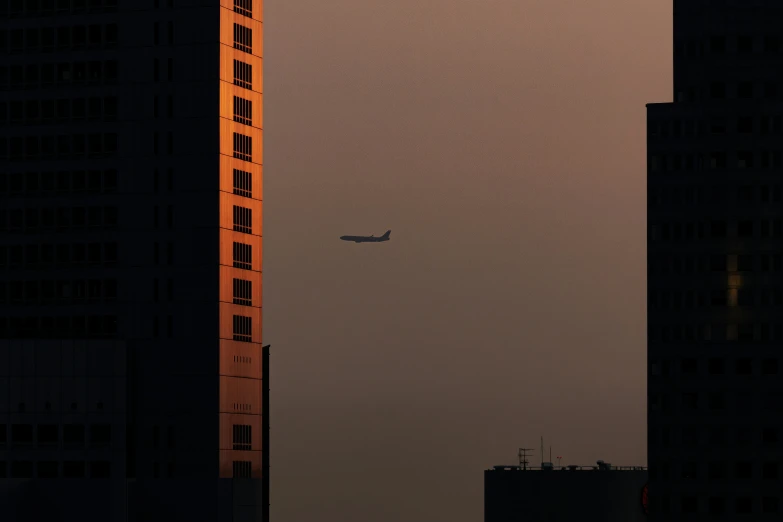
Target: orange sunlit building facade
132,374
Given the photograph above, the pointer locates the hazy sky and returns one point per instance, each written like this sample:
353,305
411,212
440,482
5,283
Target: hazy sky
503,142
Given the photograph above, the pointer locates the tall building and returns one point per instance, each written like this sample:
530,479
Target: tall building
715,267
131,373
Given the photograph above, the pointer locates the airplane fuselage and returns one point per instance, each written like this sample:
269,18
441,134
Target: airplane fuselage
364,239
368,239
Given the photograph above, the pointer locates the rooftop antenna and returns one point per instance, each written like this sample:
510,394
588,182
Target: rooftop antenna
542,451
523,462
550,454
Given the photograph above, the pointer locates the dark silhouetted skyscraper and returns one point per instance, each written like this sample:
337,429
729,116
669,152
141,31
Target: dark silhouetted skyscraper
715,267
130,260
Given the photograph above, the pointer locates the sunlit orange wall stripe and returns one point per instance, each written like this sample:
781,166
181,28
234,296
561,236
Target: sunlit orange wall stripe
240,362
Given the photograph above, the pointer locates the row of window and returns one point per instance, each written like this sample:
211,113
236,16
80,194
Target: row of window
243,74
171,438
32,219
243,328
243,256
744,90
64,181
745,333
31,148
662,264
16,8
156,35
243,183
169,326
156,69
691,367
242,437
156,289
667,197
721,44
60,110
169,216
35,75
717,470
243,219
243,38
62,37
156,139
242,469
716,505
742,229
243,147
22,407
732,297
243,292
764,125
243,111
50,435
169,253
59,327
718,401
18,256
715,161
244,7
52,469
50,291
156,107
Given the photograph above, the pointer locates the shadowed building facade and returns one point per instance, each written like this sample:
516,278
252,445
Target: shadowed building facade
715,269
132,373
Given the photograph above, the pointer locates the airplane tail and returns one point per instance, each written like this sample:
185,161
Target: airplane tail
386,235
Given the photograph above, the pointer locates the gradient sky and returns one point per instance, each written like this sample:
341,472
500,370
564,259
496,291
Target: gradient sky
503,142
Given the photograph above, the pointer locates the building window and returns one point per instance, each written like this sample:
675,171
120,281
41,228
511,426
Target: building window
690,505
770,471
243,256
243,38
243,292
242,437
243,147
743,470
242,219
100,469
716,506
243,329
769,505
243,74
243,110
48,469
745,44
744,505
73,469
242,469
244,7
22,434
100,435
48,435
22,469
243,183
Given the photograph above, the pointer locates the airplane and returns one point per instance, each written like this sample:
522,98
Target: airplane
365,239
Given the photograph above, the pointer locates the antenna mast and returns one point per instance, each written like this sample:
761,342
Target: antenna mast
542,451
523,462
